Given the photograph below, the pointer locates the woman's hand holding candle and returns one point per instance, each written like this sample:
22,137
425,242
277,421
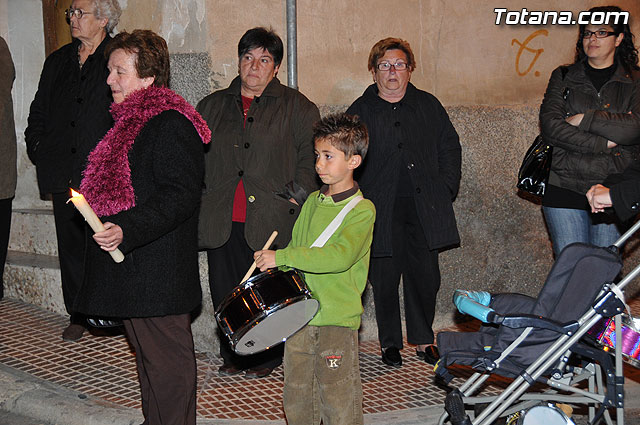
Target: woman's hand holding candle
110,238
96,225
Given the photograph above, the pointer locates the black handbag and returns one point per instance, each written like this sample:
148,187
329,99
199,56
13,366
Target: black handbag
534,171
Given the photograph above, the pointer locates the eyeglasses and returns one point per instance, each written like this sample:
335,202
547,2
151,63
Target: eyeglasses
598,34
398,66
78,13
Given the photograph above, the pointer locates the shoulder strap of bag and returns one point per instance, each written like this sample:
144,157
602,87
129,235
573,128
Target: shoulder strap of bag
335,223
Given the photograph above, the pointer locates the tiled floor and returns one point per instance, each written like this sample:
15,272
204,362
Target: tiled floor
104,366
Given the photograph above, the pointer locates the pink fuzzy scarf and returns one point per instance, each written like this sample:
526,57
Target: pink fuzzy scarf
106,182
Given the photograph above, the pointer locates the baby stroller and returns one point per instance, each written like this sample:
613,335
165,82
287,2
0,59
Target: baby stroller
543,341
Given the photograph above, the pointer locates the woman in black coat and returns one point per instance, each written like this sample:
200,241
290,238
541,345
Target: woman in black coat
68,117
411,174
144,181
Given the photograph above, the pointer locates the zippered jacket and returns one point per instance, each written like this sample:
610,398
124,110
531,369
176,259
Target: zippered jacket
580,154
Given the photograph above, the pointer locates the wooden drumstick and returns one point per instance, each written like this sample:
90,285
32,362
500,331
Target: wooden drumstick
266,246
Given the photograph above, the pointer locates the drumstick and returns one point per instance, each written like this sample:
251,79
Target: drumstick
266,246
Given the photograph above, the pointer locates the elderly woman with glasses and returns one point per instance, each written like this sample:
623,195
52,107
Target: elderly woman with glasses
68,116
144,180
412,175
591,116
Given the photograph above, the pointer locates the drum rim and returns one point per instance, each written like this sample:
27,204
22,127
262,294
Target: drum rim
252,281
237,336
563,416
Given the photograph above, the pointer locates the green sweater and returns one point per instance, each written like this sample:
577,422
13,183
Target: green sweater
336,273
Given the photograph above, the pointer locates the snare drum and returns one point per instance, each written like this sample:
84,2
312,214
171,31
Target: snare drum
265,310
604,333
544,415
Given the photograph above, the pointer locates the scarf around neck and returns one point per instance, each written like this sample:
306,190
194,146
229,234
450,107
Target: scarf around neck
106,183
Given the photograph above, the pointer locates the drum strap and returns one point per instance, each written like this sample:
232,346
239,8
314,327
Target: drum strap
335,223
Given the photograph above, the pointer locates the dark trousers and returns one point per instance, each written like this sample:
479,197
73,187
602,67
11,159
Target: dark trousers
5,229
420,272
227,266
166,364
70,232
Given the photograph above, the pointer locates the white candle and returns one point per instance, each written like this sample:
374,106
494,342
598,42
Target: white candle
92,219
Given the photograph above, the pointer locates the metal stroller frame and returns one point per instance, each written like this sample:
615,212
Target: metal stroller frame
609,303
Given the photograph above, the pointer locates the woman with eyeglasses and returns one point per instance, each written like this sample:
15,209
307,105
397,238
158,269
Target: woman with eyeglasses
412,175
591,116
68,117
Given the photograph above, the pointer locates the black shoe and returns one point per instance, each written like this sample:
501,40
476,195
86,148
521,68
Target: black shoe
258,372
431,354
391,356
229,369
420,354
73,332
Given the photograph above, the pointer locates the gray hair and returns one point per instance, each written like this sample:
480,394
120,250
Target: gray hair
109,9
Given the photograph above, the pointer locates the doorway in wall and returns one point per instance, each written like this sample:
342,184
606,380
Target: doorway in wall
56,28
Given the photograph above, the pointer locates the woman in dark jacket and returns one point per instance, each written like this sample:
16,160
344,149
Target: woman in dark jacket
8,152
259,169
411,174
68,117
591,115
144,180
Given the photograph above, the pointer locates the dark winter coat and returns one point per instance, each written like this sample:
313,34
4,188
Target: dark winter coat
580,154
68,116
160,274
275,148
8,149
415,133
625,192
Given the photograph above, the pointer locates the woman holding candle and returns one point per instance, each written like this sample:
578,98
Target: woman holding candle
68,117
144,181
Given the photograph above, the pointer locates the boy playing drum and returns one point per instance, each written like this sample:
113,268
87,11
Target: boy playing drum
321,368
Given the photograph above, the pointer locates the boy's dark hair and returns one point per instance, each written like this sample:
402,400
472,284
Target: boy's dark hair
266,39
345,132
